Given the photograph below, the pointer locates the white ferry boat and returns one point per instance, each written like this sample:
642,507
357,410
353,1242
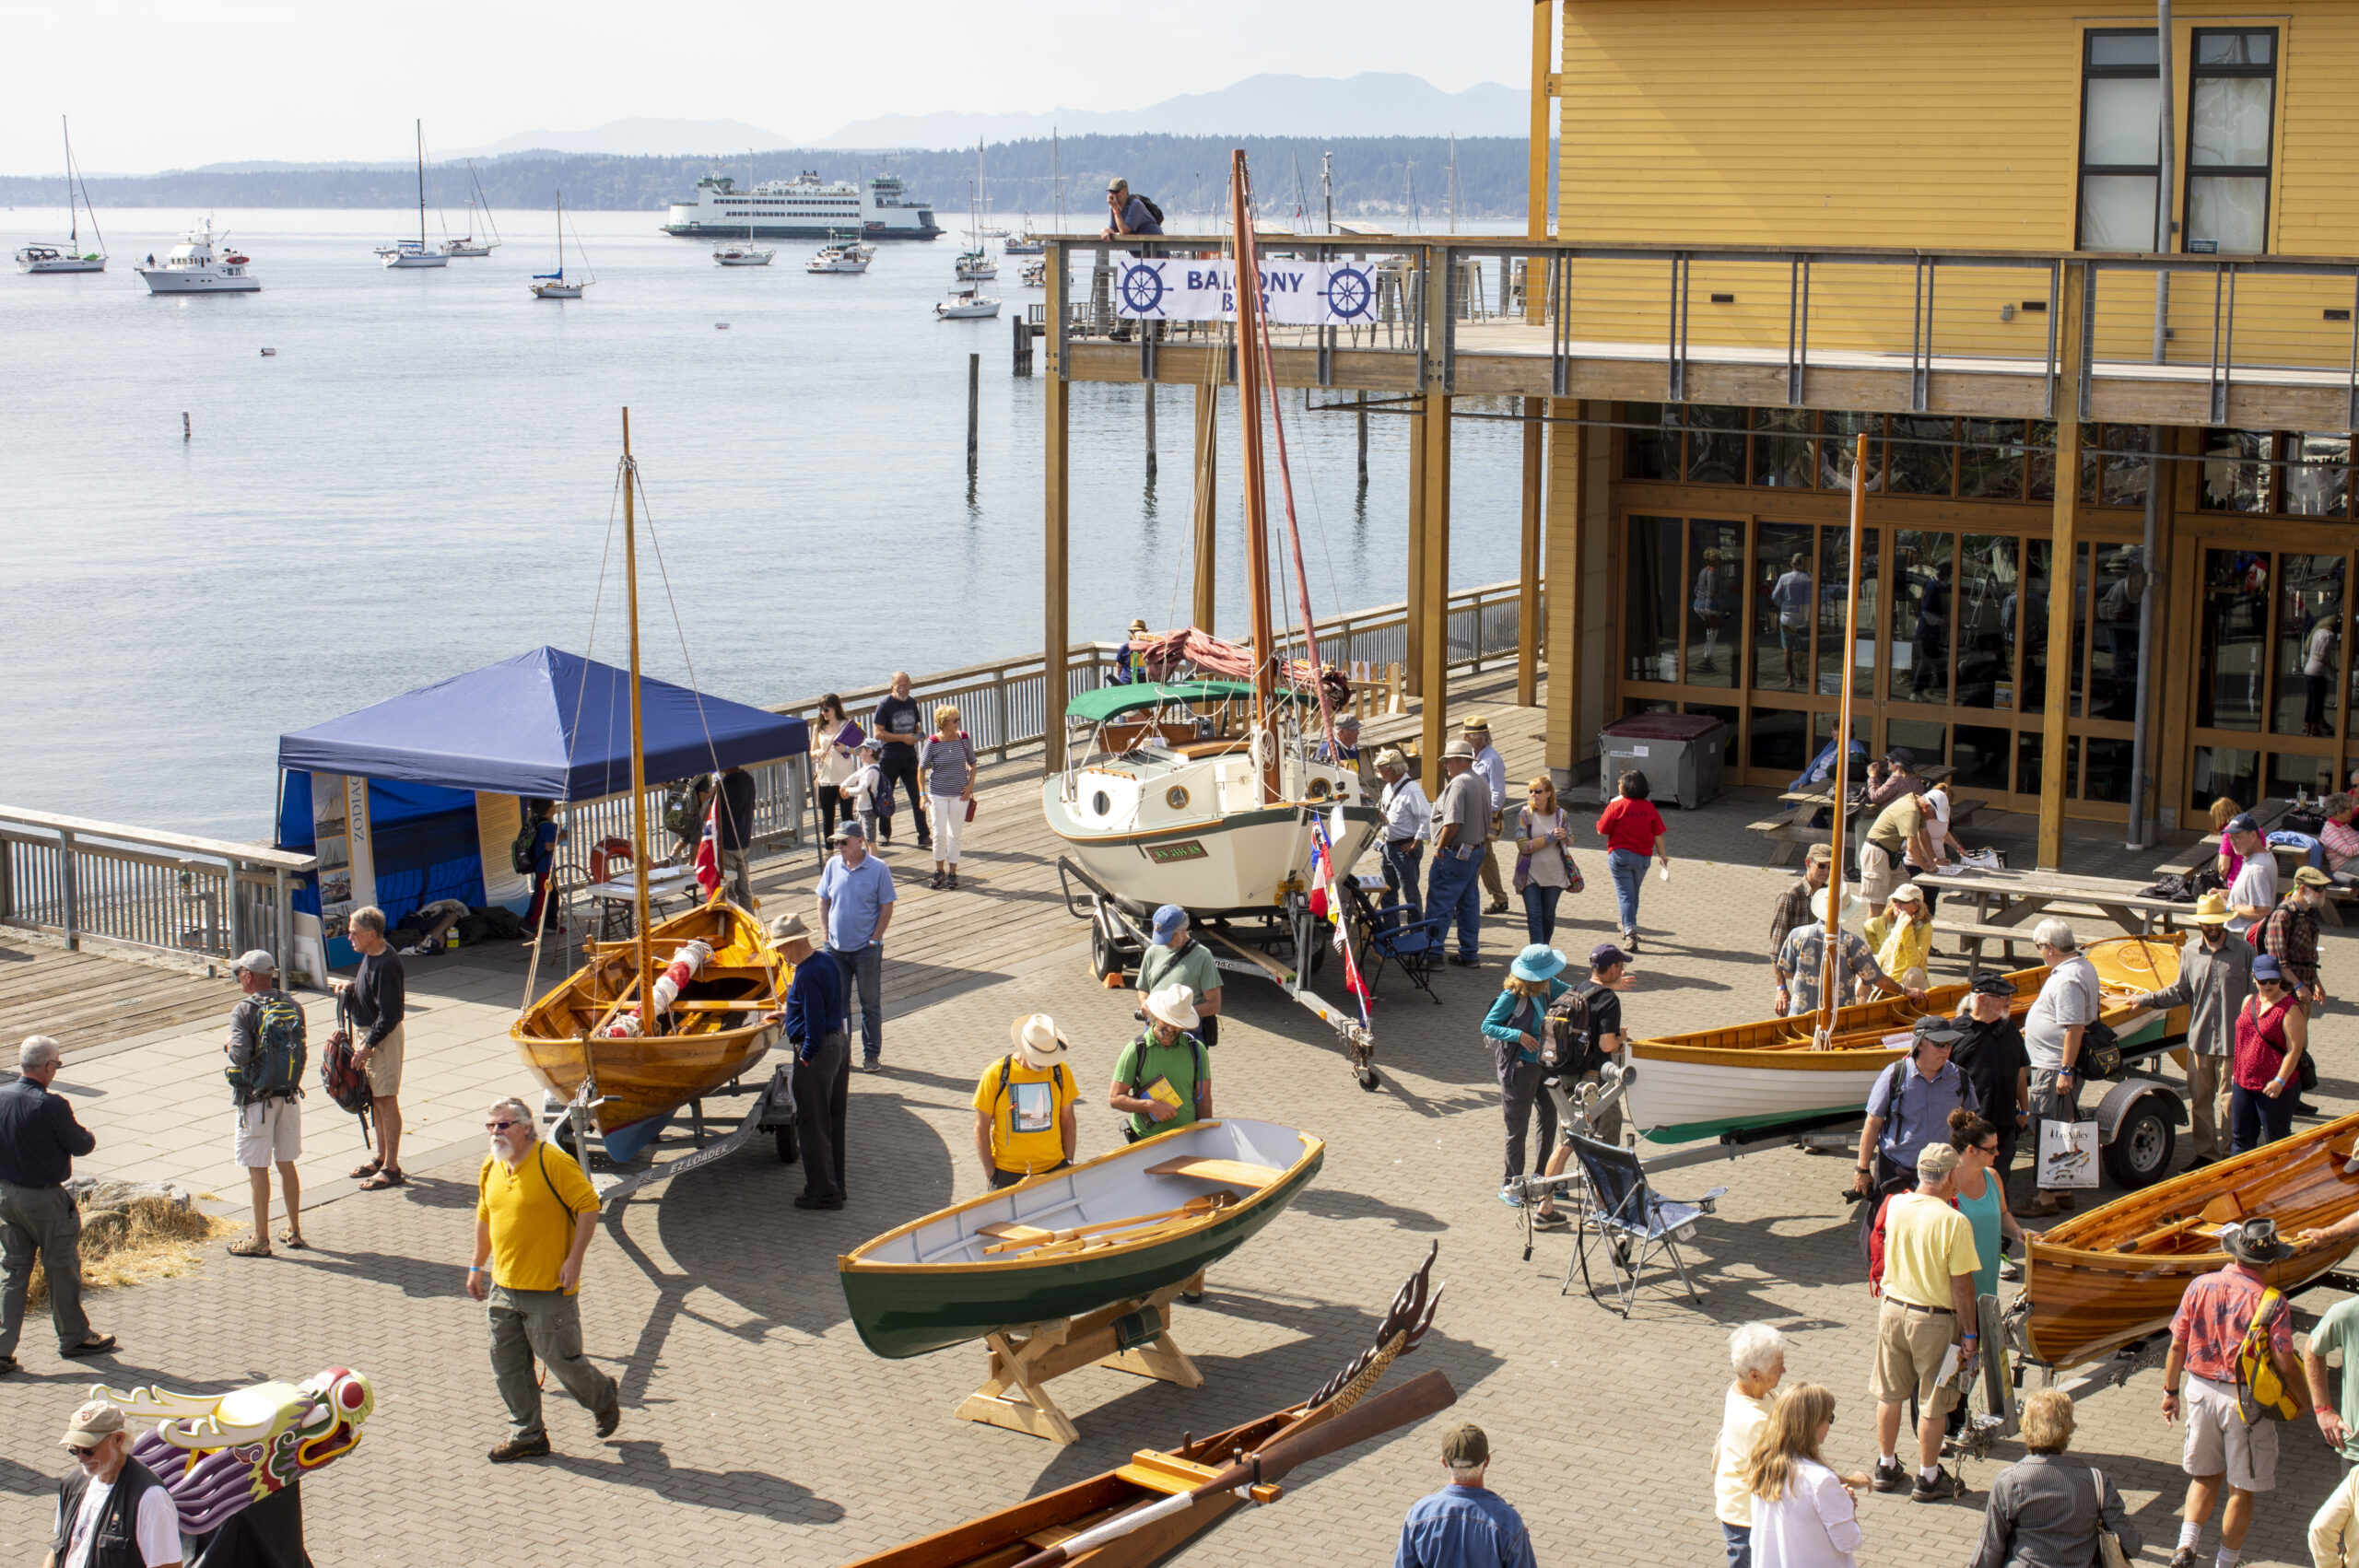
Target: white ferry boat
194,266
801,208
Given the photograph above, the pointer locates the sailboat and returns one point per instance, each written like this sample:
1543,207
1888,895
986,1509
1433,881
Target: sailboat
975,264
1174,802
592,1040
556,284
413,252
468,245
49,258
730,254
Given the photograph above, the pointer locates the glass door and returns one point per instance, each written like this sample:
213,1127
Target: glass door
2272,672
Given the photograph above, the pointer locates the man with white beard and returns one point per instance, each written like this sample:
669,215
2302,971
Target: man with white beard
535,1214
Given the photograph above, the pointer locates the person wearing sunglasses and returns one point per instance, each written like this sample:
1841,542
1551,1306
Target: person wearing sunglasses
2271,1037
1982,1198
534,1215
112,1509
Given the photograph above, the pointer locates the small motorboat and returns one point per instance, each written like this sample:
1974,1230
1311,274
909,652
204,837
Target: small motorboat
1123,1226
967,304
2096,1281
840,255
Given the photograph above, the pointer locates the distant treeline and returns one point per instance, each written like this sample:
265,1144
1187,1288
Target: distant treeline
1384,177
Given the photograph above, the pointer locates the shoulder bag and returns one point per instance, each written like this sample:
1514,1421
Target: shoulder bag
2109,1553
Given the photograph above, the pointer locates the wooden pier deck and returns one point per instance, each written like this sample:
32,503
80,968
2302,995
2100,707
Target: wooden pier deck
89,999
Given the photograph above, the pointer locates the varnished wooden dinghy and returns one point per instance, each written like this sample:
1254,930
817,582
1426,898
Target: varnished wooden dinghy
713,1033
1123,1226
1709,1082
2100,1280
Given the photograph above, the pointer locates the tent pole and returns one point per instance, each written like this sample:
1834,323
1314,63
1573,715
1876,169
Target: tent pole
637,743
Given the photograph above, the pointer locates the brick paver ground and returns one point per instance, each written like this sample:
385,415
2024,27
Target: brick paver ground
758,1429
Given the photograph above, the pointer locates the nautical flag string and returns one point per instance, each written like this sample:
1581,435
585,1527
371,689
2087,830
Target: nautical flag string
708,849
1323,880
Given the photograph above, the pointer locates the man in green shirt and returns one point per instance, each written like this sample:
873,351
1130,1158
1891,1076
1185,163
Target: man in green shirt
2338,1330
1175,956
1164,1053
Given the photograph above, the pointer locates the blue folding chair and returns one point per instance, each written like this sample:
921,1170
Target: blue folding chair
1629,1222
1414,947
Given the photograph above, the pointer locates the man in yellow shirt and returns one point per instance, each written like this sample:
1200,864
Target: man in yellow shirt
534,1215
1025,1124
1929,1264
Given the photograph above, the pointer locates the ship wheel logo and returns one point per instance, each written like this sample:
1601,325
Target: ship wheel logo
1142,288
1348,293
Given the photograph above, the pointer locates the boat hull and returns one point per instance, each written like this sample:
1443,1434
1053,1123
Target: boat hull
641,1080
161,280
558,290
64,264
967,313
431,259
1711,1081
905,1306
2089,1298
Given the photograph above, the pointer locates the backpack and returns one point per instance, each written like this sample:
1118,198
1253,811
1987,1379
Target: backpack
342,1081
1568,1041
1148,203
2260,1392
274,1070
1137,1085
1874,1241
526,848
679,819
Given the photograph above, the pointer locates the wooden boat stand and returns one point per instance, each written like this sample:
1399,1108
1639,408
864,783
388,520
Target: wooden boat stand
1025,1358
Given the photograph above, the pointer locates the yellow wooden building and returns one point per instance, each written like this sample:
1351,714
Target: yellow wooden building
1964,231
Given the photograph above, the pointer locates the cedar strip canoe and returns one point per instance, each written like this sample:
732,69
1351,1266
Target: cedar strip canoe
2100,1280
1709,1082
643,1079
1007,1258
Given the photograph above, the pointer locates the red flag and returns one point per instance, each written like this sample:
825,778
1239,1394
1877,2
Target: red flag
709,850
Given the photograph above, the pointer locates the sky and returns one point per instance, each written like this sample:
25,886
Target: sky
155,85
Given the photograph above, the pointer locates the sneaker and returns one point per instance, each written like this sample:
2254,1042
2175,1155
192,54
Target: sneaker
1508,1196
517,1448
871,1064
1466,963
1941,1489
1550,1222
812,1200
1889,1478
934,882
953,882
2185,1557
610,1416
2010,1269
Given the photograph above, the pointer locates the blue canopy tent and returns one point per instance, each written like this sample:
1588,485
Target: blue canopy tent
545,725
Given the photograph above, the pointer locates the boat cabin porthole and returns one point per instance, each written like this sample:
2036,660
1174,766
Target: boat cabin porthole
1319,788
1176,797
1099,806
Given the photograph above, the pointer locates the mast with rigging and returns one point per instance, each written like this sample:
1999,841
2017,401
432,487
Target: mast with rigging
1257,510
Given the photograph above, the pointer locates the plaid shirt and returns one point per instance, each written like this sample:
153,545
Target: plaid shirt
2292,937
1793,909
2213,1316
1803,958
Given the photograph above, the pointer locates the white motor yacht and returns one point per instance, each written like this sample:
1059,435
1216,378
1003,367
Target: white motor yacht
966,304
839,258
197,265
976,265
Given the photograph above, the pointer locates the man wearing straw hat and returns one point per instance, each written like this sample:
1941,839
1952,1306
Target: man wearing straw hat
1458,820
1130,667
2214,978
1405,811
818,1019
1023,1107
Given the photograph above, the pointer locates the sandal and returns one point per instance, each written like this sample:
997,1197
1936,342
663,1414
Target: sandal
382,1180
294,1238
247,1246
362,1172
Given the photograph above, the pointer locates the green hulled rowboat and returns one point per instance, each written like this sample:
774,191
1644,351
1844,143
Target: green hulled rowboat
1115,1228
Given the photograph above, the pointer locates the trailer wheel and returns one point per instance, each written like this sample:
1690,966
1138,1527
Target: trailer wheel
2140,1154
1368,1080
789,1150
1102,959
563,1136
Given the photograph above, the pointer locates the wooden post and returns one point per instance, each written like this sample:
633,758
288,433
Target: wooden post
1829,1004
1544,18
1566,545
974,403
1056,630
1362,416
1434,610
1150,432
2060,567
1207,499
1416,630
1528,629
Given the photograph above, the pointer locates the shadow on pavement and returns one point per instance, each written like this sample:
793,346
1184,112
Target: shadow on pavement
643,1463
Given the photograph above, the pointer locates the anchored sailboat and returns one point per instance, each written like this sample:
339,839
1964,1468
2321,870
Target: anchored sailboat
49,258
731,253
556,284
413,252
468,245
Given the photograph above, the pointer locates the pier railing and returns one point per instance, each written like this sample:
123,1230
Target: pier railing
81,880
1004,704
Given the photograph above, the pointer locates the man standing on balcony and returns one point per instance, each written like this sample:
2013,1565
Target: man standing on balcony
1492,769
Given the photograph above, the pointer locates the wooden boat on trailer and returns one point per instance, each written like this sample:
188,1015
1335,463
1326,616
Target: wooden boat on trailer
716,1030
1118,1227
2099,1280
1711,1081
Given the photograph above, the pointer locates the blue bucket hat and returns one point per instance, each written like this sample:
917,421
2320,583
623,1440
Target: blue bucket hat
1538,961
1167,921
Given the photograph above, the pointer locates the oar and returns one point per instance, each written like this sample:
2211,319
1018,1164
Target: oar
1412,1401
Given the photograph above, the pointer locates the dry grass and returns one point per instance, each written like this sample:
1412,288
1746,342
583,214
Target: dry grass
155,1240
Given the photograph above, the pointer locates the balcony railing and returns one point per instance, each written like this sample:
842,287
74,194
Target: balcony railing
77,879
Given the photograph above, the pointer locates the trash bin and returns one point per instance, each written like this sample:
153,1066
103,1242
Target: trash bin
1681,754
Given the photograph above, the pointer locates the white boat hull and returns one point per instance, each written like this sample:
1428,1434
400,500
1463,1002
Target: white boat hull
744,258
558,290
1674,1102
849,264
174,280
63,264
458,248
414,259
968,312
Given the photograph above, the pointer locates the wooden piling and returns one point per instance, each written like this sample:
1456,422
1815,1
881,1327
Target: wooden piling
1150,432
974,405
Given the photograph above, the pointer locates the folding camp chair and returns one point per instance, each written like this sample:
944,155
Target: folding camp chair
1629,1222
1414,947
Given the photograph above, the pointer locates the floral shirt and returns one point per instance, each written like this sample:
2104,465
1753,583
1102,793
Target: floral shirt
2213,1316
1803,959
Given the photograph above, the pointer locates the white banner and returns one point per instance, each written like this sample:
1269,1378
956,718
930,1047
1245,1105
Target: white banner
1302,294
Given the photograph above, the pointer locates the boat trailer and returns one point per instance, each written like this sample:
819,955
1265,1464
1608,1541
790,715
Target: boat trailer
1249,945
570,1124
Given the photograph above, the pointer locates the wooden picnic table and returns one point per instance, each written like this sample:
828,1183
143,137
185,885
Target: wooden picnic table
2003,900
1790,832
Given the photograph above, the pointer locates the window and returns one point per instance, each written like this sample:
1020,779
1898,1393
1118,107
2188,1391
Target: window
2121,102
2231,103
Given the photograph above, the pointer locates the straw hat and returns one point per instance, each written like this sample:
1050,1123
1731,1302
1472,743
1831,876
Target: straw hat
2211,909
1175,1004
1037,1040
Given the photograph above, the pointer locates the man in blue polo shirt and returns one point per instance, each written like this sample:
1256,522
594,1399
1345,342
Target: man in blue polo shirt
855,905
1910,1106
1465,1524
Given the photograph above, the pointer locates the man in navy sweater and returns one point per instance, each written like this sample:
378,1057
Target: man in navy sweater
819,1028
38,1138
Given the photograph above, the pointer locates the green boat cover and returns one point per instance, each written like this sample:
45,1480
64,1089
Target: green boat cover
1109,702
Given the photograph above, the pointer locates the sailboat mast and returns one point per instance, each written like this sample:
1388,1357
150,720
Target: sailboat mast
1257,514
421,184
72,228
1829,1002
637,744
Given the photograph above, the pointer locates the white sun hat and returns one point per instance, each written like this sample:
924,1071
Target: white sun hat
1175,1004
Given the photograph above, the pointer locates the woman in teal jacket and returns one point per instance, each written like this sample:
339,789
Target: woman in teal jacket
1514,1026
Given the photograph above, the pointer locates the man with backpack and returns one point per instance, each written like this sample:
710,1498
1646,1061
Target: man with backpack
1025,1124
2231,1369
376,1001
1929,1266
1133,215
1163,1079
1910,1106
266,1057
1585,1033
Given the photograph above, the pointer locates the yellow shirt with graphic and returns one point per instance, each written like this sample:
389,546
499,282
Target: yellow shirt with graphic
1028,1115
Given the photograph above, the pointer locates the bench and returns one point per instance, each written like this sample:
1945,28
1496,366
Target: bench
2266,815
1204,1169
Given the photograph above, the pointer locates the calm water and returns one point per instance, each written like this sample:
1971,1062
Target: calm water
421,480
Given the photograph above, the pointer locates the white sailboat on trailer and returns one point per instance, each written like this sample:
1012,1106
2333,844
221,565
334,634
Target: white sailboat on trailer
49,258
414,253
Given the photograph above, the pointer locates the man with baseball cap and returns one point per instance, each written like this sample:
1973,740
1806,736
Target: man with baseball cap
1344,750
1461,839
1025,1124
1492,769
1465,1524
855,906
39,1141
112,1510
1989,1053
1929,1266
818,1025
2291,935
1792,907
1177,957
266,1026
2214,978
1163,1079
1909,1106
2199,1380
1130,214
2254,892
1402,844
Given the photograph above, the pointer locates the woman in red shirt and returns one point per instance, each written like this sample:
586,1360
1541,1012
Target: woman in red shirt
1633,830
2270,1034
